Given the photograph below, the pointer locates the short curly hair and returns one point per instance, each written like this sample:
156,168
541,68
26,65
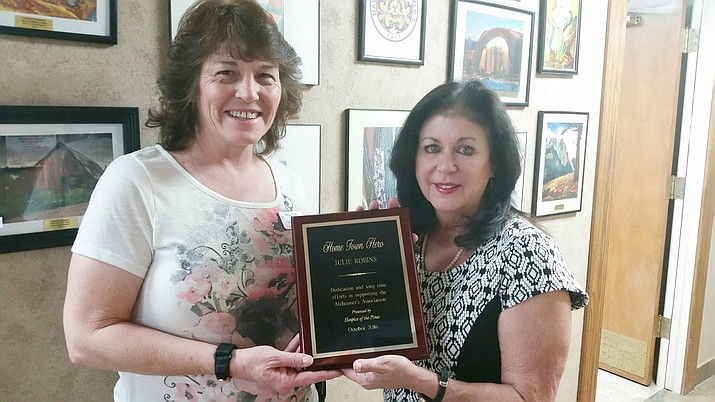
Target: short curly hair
246,31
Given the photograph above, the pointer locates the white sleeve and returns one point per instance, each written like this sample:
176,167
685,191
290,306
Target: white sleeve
117,227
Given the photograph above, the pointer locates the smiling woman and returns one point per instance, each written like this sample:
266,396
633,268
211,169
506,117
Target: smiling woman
179,272
488,276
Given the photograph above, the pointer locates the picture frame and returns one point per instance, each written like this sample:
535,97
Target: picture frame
517,196
397,38
298,20
559,37
370,135
66,22
493,43
560,161
50,159
300,151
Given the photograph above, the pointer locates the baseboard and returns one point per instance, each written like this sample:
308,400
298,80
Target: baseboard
705,371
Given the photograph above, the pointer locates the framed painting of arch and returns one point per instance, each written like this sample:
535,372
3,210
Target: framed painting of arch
492,43
51,158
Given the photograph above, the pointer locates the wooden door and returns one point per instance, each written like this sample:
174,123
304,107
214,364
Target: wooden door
642,165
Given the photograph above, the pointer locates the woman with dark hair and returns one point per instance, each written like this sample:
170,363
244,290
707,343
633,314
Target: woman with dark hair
496,292
181,276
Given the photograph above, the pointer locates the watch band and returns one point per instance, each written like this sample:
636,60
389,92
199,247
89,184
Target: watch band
222,359
443,377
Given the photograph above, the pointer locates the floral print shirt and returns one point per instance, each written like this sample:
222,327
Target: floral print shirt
214,269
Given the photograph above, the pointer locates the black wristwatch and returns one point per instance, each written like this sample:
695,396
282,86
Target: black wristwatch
222,360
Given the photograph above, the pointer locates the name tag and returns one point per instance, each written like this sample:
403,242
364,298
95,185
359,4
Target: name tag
285,216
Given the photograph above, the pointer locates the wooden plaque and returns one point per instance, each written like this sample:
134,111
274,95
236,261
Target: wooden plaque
358,295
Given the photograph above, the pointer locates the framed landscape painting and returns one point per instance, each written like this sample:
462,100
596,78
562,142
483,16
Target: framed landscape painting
560,161
51,158
492,43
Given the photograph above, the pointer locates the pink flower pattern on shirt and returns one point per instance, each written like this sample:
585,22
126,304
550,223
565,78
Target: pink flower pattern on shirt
241,289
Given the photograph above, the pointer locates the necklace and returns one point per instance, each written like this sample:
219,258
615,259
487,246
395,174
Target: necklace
451,263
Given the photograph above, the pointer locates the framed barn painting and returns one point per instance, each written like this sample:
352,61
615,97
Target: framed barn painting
560,161
371,133
559,27
492,43
51,158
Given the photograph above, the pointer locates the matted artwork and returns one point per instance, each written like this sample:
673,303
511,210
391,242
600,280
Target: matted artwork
298,20
392,31
559,27
370,134
492,43
300,151
87,20
560,161
50,161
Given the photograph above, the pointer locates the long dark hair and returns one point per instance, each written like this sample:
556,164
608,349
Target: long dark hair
482,106
247,32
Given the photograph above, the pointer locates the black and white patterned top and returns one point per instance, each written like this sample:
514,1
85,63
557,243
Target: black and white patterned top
462,305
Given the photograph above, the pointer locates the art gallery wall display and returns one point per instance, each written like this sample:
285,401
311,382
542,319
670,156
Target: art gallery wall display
559,36
493,43
560,161
51,158
88,21
300,151
357,289
298,20
392,32
370,135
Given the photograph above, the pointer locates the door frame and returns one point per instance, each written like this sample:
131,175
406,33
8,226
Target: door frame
682,361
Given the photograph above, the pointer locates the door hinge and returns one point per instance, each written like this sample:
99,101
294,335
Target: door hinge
676,188
661,329
689,40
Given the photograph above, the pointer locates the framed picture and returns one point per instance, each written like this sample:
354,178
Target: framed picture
50,160
370,134
559,27
300,151
560,157
298,20
517,196
492,43
392,32
88,21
